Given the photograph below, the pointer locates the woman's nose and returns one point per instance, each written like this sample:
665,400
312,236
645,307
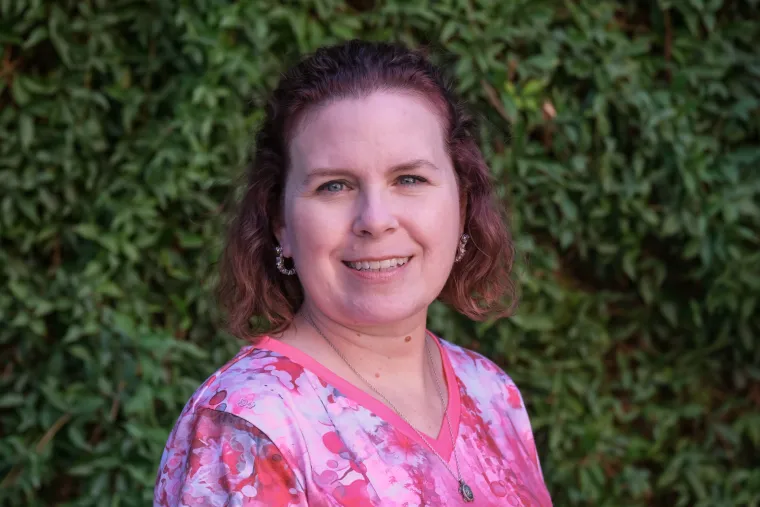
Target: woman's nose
375,214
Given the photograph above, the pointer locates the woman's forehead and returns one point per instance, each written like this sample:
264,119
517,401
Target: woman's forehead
382,125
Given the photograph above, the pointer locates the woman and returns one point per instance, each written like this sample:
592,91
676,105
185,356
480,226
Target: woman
367,199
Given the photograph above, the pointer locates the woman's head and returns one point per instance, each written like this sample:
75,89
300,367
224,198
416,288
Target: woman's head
365,156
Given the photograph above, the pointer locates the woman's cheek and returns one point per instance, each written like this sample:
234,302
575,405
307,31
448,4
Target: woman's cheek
318,227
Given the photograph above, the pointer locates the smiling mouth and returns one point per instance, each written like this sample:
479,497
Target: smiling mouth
383,265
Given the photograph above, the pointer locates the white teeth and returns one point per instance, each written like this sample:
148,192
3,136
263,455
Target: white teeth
378,265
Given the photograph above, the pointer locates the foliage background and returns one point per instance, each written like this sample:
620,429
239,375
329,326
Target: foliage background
623,135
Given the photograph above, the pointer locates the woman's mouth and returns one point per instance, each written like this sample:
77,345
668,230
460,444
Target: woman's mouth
377,266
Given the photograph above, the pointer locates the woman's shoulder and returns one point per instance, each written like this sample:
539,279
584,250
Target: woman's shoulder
469,362
494,389
255,381
246,405
477,372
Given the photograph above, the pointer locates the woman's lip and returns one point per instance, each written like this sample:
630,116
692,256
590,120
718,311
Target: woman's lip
380,259
379,276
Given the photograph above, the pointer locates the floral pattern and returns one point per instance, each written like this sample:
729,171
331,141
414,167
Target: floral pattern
275,428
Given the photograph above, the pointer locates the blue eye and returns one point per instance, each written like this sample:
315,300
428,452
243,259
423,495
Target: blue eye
331,186
409,180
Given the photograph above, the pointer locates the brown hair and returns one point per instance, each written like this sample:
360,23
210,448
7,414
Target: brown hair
250,284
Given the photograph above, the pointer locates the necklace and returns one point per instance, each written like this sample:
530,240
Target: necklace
464,489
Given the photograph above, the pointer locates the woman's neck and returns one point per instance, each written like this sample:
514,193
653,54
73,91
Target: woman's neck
375,352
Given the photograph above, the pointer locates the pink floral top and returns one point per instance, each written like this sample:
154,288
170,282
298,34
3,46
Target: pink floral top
274,427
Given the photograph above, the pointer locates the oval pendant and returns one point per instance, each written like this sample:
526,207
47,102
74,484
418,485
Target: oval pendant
466,492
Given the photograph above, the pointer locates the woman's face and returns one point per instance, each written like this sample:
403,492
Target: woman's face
372,216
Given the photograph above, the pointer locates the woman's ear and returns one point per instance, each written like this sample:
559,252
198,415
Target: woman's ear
281,233
462,212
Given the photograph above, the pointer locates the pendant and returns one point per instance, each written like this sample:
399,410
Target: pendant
465,491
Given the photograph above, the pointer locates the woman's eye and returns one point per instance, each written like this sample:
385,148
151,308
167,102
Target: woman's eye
409,179
332,186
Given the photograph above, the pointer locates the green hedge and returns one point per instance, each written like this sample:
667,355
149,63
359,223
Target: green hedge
623,134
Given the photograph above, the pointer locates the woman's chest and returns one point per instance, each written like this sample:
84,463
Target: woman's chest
357,458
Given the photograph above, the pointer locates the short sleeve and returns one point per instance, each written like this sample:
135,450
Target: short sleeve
522,420
215,458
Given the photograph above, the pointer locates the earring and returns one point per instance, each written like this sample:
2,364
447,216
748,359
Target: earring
461,249
281,263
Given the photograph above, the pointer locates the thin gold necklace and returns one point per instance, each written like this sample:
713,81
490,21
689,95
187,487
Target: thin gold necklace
464,489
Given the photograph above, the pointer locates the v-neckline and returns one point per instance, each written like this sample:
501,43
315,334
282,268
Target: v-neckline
442,443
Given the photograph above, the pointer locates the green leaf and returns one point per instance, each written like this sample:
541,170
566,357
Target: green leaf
26,130
87,231
20,95
10,400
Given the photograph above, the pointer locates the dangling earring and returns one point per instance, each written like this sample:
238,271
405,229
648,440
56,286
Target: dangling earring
461,249
281,263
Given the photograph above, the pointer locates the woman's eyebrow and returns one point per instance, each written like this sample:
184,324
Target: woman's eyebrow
412,165
332,172
327,172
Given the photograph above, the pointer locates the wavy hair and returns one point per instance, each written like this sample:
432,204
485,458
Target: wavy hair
256,297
